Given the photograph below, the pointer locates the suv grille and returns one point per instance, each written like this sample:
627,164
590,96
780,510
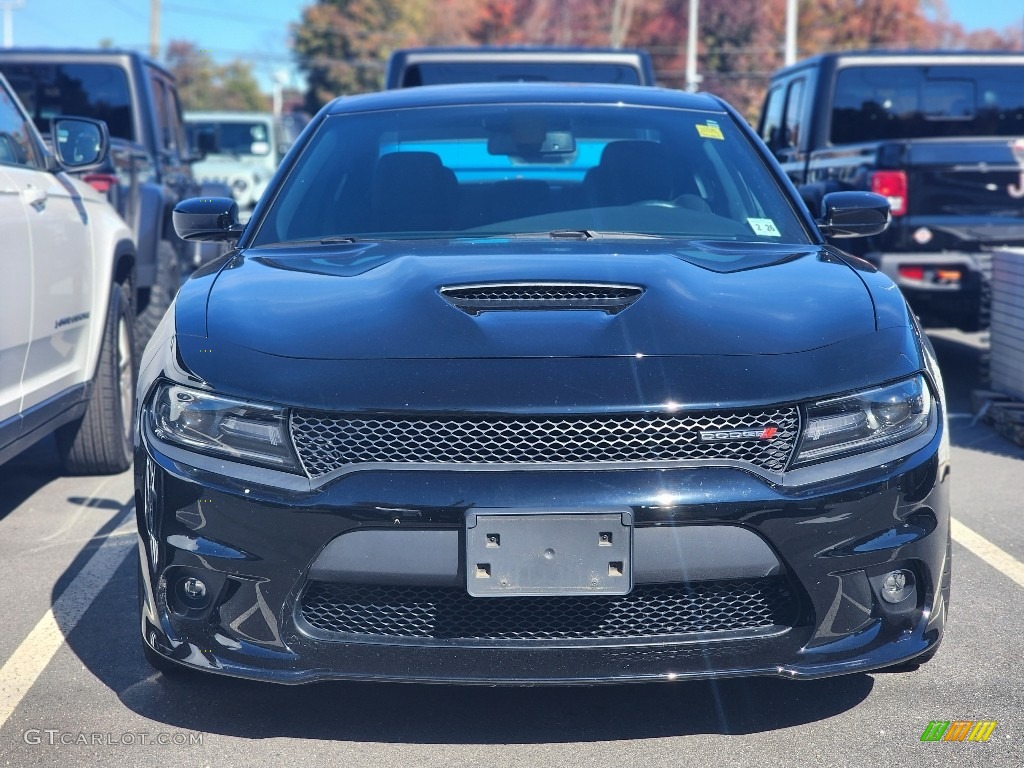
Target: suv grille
449,613
329,442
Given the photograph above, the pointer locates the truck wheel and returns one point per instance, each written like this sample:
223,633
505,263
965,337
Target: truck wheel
100,442
154,301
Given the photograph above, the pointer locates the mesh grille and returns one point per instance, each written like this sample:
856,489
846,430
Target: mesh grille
651,610
511,296
328,442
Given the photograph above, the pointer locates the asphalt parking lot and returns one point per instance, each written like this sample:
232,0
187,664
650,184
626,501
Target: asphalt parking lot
75,689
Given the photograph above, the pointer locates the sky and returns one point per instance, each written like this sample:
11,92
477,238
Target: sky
257,30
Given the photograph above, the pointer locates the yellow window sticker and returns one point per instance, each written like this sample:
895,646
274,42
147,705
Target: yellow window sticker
710,130
764,227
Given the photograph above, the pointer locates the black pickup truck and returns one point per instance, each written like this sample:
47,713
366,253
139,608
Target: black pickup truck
148,169
941,134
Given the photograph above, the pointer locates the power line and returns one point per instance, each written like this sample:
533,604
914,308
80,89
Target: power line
125,8
189,10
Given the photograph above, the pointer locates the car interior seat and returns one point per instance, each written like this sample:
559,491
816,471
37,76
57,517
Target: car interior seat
630,171
413,191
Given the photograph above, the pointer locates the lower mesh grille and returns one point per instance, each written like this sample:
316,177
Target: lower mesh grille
650,610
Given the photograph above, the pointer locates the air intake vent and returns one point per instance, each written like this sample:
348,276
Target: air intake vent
475,299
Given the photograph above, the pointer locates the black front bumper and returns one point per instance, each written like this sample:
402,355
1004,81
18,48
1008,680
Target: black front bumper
262,551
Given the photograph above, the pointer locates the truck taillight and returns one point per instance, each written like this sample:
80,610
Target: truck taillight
893,185
101,182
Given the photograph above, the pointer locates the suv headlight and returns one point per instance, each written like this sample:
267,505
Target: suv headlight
865,420
208,423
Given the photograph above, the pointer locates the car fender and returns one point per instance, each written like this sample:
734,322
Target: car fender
114,253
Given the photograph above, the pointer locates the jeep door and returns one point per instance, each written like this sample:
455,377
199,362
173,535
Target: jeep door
61,254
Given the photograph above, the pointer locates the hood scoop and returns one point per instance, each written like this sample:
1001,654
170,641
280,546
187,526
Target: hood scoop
490,297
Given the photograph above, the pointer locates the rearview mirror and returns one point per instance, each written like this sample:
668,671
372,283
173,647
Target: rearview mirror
548,143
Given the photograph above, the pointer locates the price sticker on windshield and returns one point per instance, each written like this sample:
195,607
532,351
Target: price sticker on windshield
764,227
710,130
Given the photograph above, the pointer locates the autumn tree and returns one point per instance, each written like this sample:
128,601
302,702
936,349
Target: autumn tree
343,45
205,85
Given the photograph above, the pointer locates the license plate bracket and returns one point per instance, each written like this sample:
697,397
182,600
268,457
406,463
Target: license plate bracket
549,553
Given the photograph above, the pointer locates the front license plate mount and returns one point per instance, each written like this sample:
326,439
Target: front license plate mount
549,553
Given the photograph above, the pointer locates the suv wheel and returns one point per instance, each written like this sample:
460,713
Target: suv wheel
101,441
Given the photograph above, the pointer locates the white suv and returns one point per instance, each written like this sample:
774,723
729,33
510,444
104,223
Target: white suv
242,151
66,331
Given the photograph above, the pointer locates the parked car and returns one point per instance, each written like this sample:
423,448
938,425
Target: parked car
937,132
148,169
242,151
408,67
534,383
67,362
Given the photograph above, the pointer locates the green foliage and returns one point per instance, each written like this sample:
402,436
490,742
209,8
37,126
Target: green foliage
205,85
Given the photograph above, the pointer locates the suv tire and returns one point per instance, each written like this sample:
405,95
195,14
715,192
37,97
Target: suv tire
101,441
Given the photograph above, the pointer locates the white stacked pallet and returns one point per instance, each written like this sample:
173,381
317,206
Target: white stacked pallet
1007,323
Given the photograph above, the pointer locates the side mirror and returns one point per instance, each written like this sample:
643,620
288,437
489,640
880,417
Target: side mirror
853,214
79,143
207,218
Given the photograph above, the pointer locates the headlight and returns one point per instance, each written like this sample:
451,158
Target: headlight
865,420
217,425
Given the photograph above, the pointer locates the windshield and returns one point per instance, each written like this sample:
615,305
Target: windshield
442,72
232,137
99,91
494,170
915,101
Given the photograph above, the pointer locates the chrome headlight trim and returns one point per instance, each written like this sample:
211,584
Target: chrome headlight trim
865,420
208,423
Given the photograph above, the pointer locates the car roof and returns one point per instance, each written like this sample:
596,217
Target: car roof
502,52
883,56
523,93
227,115
79,54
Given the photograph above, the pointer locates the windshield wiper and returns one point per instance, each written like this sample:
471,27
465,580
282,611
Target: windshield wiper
336,239
571,234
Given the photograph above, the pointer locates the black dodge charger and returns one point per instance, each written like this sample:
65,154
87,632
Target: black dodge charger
527,384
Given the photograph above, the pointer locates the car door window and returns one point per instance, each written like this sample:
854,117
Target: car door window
794,112
17,145
771,123
166,139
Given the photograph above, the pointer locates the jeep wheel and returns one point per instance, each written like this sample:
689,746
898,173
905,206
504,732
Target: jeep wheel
100,442
154,301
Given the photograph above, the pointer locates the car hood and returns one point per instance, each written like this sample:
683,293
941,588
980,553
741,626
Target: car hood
366,301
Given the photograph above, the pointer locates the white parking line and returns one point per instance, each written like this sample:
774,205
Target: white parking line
998,558
30,658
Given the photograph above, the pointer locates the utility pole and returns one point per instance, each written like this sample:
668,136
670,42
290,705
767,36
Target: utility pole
154,29
692,78
8,7
791,17
622,18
